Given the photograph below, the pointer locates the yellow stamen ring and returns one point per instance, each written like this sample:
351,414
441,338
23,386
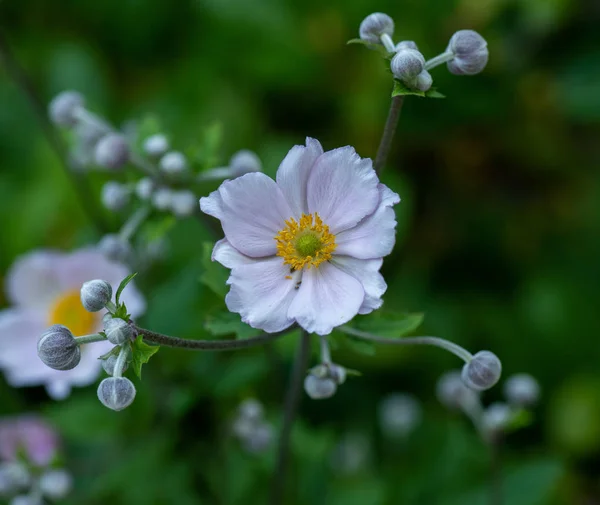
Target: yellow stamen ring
306,243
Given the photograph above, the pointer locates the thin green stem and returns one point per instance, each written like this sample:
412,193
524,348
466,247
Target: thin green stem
455,349
439,59
388,43
388,132
325,352
88,339
292,399
496,494
120,363
134,222
209,345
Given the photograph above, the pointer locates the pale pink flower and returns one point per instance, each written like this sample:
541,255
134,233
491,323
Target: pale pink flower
30,434
43,287
308,247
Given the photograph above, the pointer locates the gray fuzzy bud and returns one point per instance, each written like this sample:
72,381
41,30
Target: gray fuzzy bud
496,417
115,248
14,476
319,389
251,410
173,163
470,53
337,373
144,188
243,162
522,390
399,414
452,392
406,44
26,499
259,439
115,196
58,349
109,363
424,81
156,145
55,484
374,26
63,107
95,295
183,203
111,151
407,64
116,393
482,372
118,331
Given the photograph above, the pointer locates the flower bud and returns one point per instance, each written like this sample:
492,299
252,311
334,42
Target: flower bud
116,393
522,390
482,372
63,107
374,26
161,198
496,417
399,414
183,203
144,188
156,145
337,373
95,295
109,363
470,53
452,392
25,499
259,439
406,44
58,349
115,248
55,484
319,389
424,81
173,163
111,151
407,64
243,162
14,476
115,196
251,409
117,330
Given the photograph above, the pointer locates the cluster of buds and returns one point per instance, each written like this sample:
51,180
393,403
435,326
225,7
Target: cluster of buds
29,470
399,415
59,349
251,428
466,54
323,380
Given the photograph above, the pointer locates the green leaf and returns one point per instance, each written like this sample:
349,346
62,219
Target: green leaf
402,89
374,47
355,344
389,324
227,323
214,276
142,353
520,419
122,286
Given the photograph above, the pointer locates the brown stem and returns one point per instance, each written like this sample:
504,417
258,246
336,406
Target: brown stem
388,132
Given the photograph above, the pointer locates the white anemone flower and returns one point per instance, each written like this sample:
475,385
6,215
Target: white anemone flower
308,247
44,288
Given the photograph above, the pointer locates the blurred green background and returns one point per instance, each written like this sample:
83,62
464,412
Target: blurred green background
498,236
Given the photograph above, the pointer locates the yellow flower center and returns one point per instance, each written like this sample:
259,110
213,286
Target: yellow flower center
306,243
68,311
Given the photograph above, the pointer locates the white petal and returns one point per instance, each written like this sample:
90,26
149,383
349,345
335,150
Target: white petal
375,235
229,256
32,279
252,210
261,294
342,188
367,272
327,298
292,175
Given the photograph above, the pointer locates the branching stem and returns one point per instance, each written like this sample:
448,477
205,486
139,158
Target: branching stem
388,132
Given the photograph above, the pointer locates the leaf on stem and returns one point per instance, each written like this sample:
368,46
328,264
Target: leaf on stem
122,286
402,89
142,353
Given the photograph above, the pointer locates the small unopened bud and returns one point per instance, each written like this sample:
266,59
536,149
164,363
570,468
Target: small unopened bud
337,373
399,414
259,439
95,295
522,390
319,389
111,151
26,499
116,393
243,162
406,44
118,331
424,81
63,107
115,248
156,145
56,484
452,392
173,163
115,196
183,203
58,349
251,409
482,372
109,363
470,53
144,188
14,476
496,417
374,26
161,198
407,64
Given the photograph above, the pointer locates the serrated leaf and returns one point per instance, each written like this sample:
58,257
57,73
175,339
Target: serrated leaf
122,286
402,89
113,352
227,323
374,47
214,276
142,352
389,324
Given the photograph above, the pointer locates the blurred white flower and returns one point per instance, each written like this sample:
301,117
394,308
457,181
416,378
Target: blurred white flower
44,288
